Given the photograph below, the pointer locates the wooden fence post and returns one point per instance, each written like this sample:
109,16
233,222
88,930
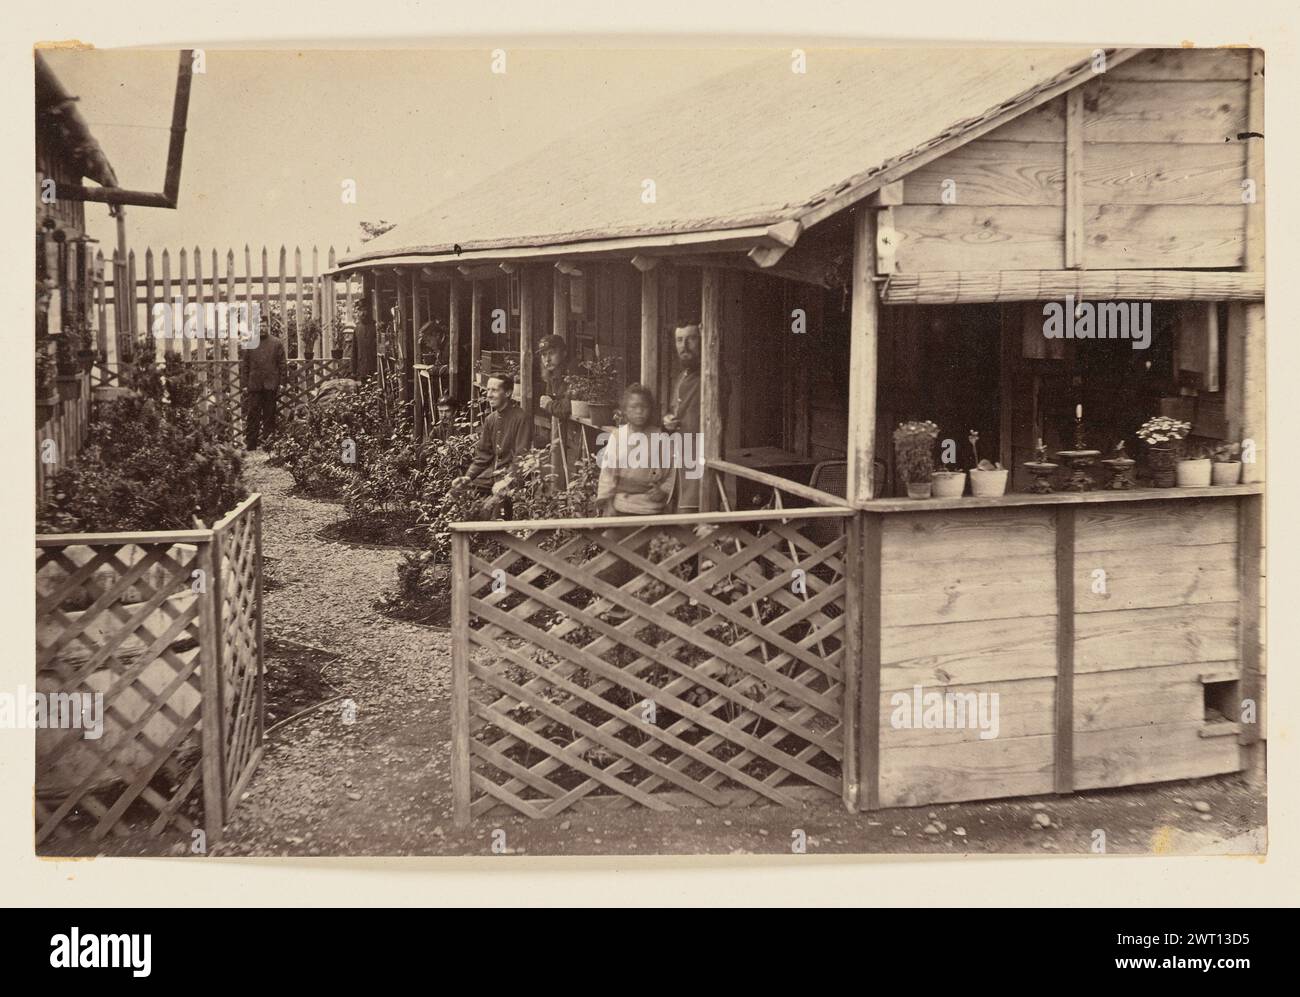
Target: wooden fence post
711,428
460,761
213,711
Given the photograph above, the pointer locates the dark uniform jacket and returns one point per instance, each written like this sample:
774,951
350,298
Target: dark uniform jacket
262,368
504,436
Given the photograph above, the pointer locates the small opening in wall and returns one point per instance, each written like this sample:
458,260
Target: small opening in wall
1222,701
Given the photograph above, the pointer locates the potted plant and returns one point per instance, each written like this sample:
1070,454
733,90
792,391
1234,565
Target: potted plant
987,478
914,449
593,390
948,483
310,334
1226,469
1193,468
1161,434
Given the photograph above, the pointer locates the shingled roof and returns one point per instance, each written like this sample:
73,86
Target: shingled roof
754,147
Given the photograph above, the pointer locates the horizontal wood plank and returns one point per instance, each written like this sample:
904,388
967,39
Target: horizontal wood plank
975,770
1156,526
1127,236
1140,638
1138,755
968,652
960,534
1143,577
1185,64
987,172
1164,111
1162,173
967,588
964,237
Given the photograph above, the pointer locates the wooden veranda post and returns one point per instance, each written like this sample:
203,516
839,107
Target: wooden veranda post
527,334
650,330
710,383
864,321
475,337
453,336
417,320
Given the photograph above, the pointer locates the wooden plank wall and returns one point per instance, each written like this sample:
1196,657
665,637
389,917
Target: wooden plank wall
1160,162
969,605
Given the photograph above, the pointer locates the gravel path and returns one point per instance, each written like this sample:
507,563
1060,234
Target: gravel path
377,784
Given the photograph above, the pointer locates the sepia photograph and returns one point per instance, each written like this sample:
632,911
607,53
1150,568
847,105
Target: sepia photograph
589,450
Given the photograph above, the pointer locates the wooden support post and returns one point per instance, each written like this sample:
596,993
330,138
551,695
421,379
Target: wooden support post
1063,768
560,304
1253,359
868,664
460,760
1250,541
852,663
475,335
711,423
417,320
650,331
213,715
454,336
864,332
406,341
527,335
284,302
1074,243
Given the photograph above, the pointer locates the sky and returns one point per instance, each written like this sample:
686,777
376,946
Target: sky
273,134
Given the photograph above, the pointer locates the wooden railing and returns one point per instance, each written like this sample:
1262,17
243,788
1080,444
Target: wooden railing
167,627
659,661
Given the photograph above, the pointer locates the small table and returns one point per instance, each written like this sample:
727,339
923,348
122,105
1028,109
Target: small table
771,460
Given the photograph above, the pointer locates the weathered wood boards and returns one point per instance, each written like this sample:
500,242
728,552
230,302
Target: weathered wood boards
970,618
1141,167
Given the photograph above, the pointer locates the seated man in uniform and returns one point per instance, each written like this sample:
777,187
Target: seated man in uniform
505,435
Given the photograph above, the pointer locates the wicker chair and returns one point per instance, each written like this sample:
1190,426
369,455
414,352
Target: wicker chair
832,476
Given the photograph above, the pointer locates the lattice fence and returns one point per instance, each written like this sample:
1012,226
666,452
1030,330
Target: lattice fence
662,662
166,627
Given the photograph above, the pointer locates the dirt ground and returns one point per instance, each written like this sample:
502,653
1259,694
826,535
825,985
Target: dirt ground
368,773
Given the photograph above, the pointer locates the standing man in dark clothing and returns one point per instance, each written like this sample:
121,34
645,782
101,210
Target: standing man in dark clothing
261,371
684,410
506,434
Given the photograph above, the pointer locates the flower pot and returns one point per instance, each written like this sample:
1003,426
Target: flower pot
601,413
984,484
1193,473
1226,473
948,484
1161,460
918,489
580,408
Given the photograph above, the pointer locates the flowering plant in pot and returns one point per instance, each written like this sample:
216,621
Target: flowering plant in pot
1226,469
1193,468
987,477
914,449
1162,434
594,390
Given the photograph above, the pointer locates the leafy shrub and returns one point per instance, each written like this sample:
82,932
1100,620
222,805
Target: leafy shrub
148,464
311,445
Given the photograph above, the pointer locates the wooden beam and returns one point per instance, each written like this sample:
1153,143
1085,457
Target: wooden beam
950,287
650,331
711,425
864,321
1250,541
1254,401
645,263
1074,243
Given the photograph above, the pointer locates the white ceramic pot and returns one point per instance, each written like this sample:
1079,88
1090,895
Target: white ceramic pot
985,484
918,489
948,484
1193,473
580,409
1228,473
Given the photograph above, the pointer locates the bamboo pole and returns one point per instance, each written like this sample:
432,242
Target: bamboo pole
248,291
132,303
214,344
266,294
201,330
284,303
298,302
169,344
102,296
